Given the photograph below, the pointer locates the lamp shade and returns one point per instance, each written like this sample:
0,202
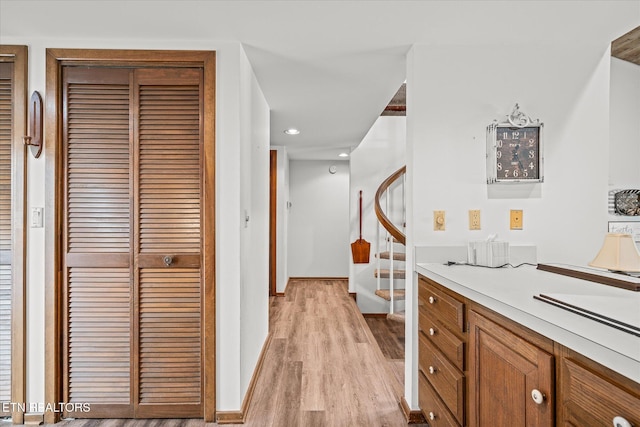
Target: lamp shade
618,253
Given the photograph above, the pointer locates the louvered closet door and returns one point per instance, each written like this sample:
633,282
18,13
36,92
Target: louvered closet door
98,265
6,96
168,245
133,246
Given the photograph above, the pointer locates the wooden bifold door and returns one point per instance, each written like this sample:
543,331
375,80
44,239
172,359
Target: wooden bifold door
132,241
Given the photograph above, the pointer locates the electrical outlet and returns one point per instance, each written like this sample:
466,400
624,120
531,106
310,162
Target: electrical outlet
516,219
474,219
438,220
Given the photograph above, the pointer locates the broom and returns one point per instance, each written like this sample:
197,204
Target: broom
360,248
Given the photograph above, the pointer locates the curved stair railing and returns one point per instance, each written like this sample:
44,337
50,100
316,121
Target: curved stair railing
382,217
393,235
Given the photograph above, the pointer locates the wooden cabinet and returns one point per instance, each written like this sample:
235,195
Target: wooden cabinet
511,381
441,355
592,395
478,368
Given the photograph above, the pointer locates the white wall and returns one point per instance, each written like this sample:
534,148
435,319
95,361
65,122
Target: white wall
460,92
282,221
254,188
381,152
624,167
318,235
235,356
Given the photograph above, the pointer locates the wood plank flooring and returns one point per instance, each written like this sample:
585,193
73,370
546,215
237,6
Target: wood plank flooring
389,335
323,368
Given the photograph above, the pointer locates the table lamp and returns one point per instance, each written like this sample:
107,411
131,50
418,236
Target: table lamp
618,253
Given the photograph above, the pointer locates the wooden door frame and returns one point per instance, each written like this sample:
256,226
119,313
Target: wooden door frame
55,60
273,216
19,56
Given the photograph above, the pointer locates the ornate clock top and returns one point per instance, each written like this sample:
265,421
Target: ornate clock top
517,118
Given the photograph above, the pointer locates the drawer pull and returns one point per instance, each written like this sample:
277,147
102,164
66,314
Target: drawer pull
432,331
432,300
432,416
432,370
537,396
621,422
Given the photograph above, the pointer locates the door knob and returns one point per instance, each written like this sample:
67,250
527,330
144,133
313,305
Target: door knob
537,396
621,422
168,260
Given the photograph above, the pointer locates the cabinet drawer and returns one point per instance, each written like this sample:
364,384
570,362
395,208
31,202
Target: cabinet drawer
432,408
445,307
590,399
445,379
448,343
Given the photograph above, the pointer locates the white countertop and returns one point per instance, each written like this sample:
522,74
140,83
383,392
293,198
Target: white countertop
510,292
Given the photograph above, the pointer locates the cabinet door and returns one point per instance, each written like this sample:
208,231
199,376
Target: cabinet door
590,395
504,371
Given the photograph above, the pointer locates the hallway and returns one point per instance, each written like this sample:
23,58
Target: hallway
323,368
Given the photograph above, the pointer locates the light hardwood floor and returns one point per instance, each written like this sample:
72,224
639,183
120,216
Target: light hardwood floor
323,368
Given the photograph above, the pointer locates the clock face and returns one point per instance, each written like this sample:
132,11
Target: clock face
517,153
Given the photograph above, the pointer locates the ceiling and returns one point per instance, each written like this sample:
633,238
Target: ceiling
326,67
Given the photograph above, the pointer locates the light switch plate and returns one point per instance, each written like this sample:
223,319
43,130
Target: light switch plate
515,222
438,221
37,217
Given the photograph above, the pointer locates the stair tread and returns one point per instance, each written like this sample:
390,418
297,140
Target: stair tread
398,294
394,240
398,316
398,256
385,274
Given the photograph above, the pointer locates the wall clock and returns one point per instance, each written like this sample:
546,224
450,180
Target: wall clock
514,149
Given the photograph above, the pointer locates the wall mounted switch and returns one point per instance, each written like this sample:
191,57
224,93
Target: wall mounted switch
438,220
37,217
515,222
474,219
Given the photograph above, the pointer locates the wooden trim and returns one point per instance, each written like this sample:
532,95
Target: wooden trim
382,217
273,217
279,294
578,273
230,417
412,417
19,55
33,418
375,315
55,59
239,417
354,296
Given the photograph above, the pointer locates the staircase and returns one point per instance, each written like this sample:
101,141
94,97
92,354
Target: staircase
390,243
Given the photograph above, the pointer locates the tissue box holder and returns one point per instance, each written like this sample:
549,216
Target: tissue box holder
488,253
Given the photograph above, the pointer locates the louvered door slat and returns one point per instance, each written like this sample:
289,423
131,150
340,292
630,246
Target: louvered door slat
99,335
170,336
169,169
6,124
98,161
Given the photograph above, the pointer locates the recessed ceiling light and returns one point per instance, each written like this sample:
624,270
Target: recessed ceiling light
343,155
292,131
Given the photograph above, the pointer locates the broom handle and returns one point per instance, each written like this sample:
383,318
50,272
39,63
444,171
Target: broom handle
360,214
